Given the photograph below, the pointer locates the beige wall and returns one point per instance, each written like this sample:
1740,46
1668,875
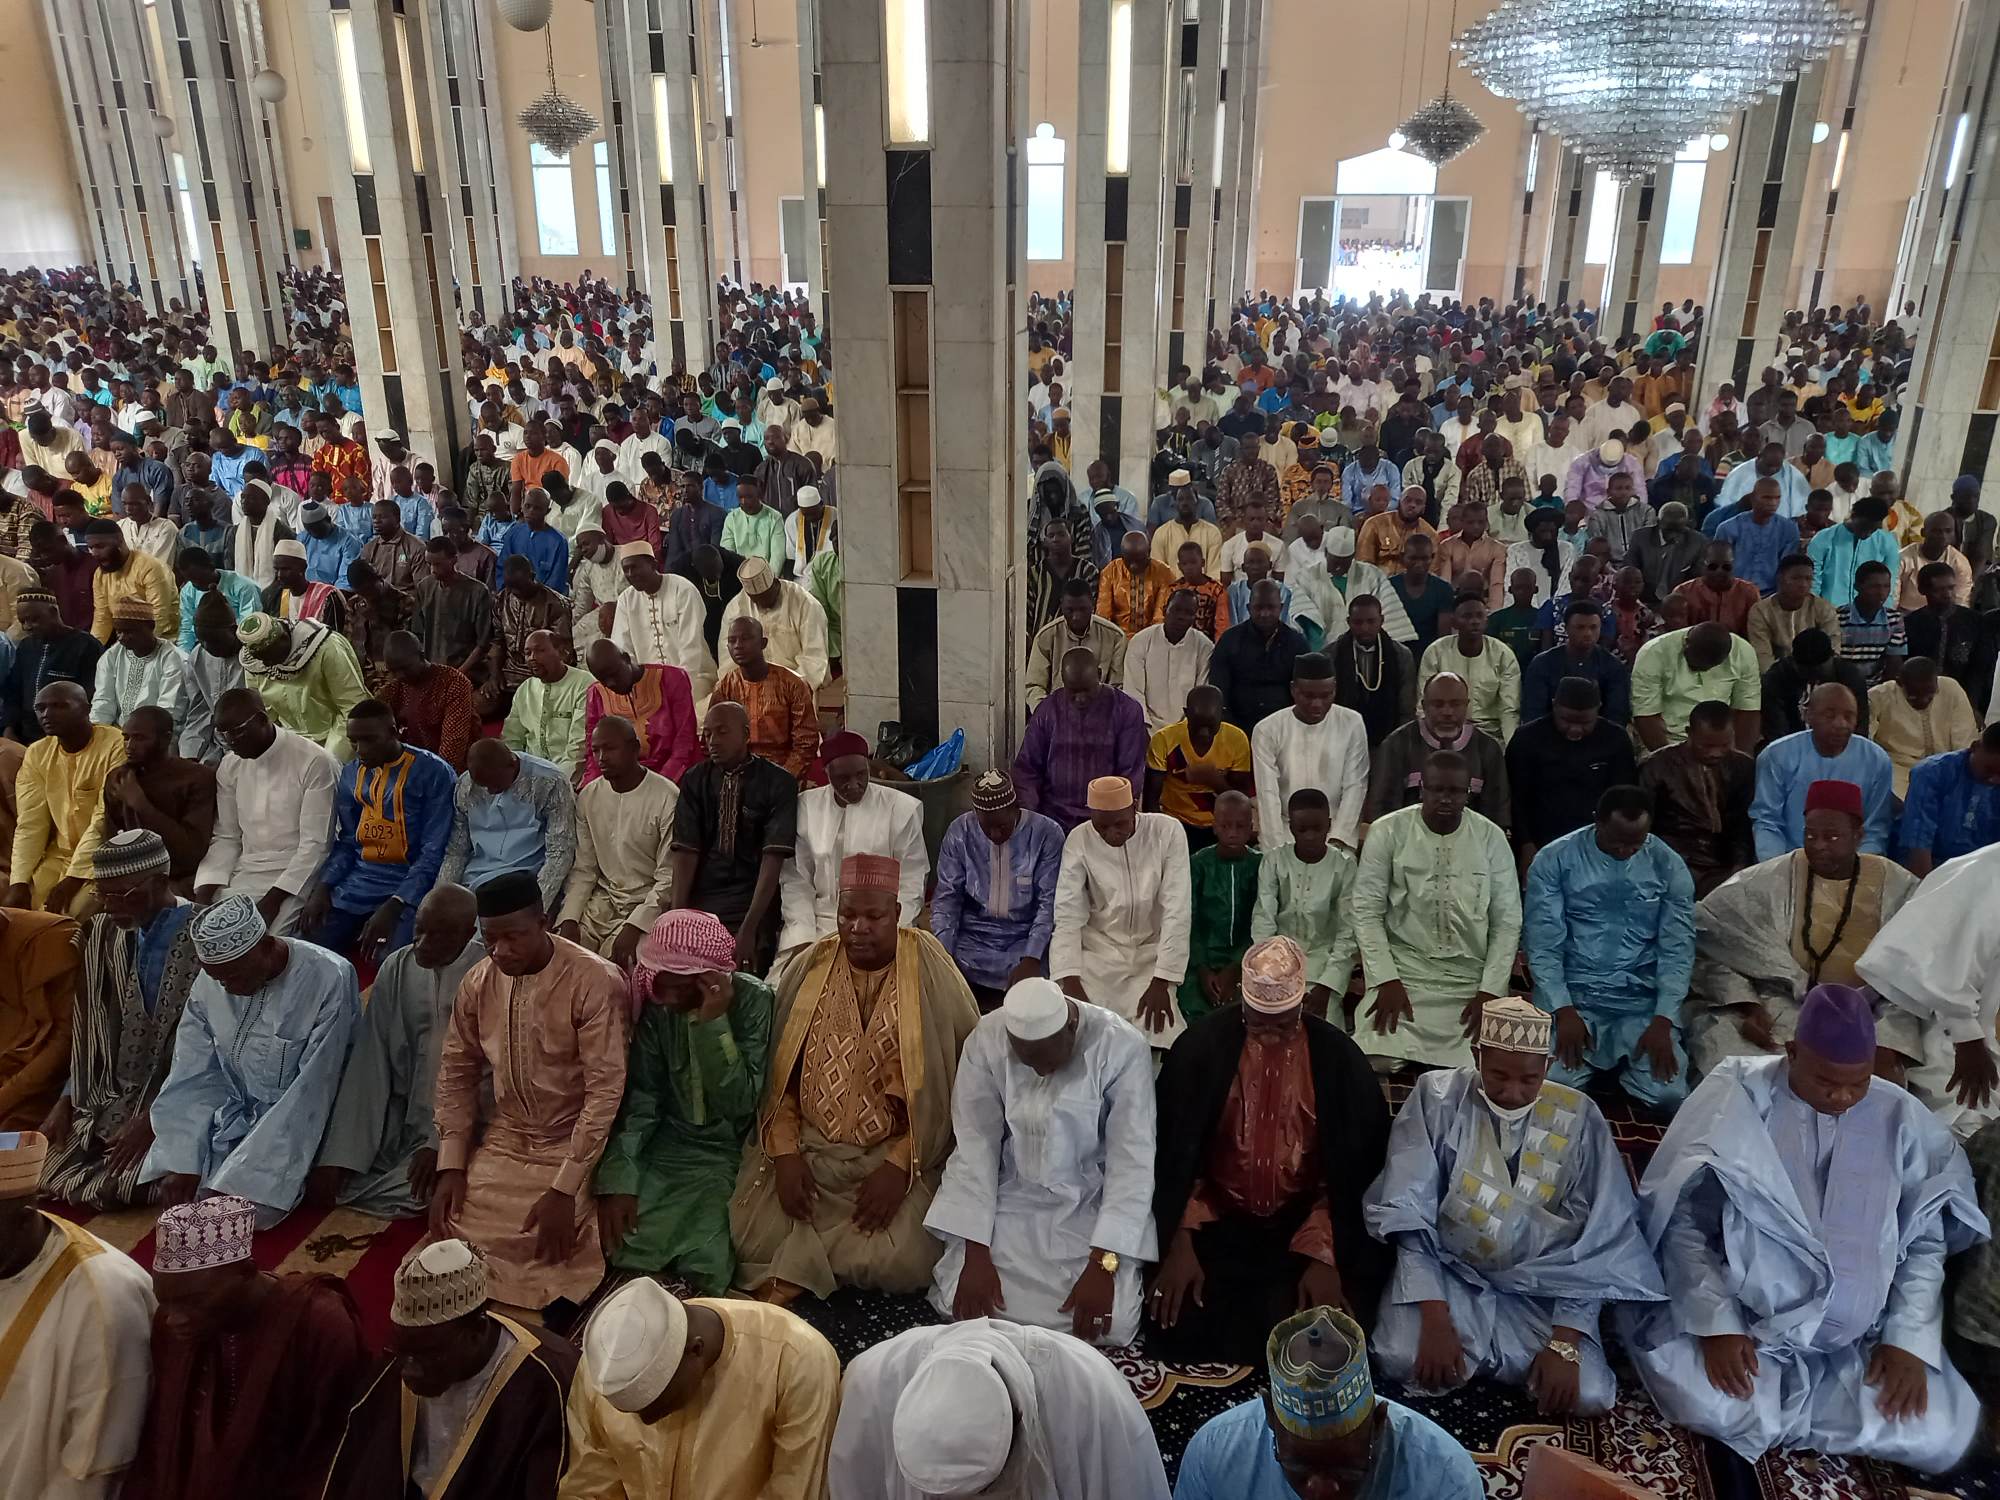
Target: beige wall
1308,127
41,204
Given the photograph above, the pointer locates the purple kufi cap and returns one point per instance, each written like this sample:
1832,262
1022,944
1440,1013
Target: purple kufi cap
1838,1023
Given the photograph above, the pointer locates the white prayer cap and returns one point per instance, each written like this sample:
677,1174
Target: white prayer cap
1340,542
808,497
954,1424
634,1344
1035,1008
1611,452
640,548
290,549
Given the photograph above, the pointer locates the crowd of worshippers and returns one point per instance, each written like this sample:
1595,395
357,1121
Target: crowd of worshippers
643,1007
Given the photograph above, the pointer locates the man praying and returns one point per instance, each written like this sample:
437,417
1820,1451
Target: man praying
1846,1195
1608,922
623,875
545,1020
993,905
1437,912
1272,1126
1046,1207
851,814
1121,912
855,1126
1510,1212
694,1076
381,1148
256,1065
1318,744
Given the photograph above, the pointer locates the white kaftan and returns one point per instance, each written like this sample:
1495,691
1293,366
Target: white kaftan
1122,917
794,631
1045,1169
273,823
1288,754
667,626
884,821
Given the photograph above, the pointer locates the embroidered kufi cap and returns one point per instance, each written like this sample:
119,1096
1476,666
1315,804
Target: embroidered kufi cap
438,1283
1513,1025
870,872
993,791
136,851
22,1153
227,930
1274,975
1318,1364
206,1233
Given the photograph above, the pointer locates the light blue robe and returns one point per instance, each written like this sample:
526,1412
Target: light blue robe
1819,1237
253,1081
1231,1458
1787,767
1515,1244
1615,939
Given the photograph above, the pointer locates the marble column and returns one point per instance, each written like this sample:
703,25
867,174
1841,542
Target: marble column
1236,87
614,70
161,247
1532,191
922,101
1093,367
479,200
1845,69
666,89
728,179
1953,398
1250,148
218,129
394,232
76,74
1575,190
1121,111
274,178
1632,278
812,144
1747,297
1193,93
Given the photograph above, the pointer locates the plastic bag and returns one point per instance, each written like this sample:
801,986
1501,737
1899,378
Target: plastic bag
940,762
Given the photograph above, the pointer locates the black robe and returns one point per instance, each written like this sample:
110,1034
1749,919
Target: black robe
519,1453
1250,1273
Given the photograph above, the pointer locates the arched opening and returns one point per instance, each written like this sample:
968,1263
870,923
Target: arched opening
1384,231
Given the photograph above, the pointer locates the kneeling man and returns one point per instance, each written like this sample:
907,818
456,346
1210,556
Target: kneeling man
1802,1210
1508,1207
1046,1208
856,1120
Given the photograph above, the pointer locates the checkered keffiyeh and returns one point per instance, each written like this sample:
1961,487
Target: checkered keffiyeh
689,942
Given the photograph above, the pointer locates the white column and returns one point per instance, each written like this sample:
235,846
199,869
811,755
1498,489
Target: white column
693,179
1632,278
812,124
215,117
728,179
394,234
1953,397
478,200
1191,110
614,69
1533,176
161,250
1236,83
1575,192
1753,264
1250,146
1148,184
921,120
1090,369
1975,47
76,76
273,183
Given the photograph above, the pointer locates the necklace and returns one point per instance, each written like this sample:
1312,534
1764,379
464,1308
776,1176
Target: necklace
1818,956
1360,674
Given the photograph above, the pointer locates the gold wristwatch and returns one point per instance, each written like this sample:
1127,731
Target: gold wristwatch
1561,1349
1109,1260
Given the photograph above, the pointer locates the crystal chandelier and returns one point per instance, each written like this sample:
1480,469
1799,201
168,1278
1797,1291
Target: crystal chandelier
1441,130
1628,82
556,122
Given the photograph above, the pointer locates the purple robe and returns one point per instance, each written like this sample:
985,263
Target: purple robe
1067,747
995,904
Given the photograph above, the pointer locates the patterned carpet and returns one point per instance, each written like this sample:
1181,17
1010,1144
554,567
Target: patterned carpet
1498,1425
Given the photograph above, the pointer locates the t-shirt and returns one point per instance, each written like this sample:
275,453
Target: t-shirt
1424,606
1514,626
1172,753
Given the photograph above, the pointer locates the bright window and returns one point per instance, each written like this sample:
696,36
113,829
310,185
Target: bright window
187,208
607,211
1603,222
1684,203
1046,186
555,201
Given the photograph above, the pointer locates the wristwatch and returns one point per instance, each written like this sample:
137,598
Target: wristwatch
1109,1260
1563,1350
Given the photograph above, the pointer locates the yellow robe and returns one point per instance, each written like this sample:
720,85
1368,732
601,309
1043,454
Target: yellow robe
758,1427
57,796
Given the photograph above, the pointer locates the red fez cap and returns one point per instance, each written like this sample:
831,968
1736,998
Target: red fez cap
1835,796
842,742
